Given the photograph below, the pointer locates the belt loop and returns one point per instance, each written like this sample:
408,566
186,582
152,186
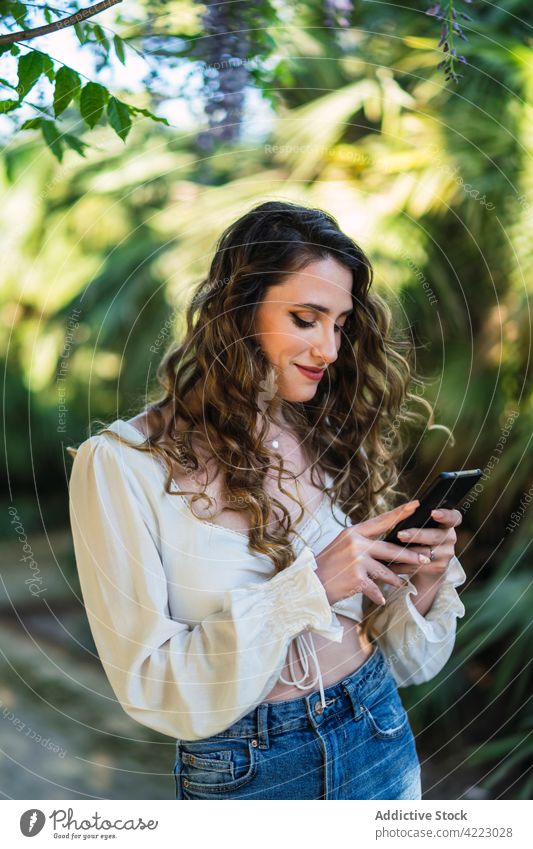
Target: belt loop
262,725
353,695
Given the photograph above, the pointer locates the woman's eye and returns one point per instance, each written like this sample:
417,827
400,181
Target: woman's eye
299,322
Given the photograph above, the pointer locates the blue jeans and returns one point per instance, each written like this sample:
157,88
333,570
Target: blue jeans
360,746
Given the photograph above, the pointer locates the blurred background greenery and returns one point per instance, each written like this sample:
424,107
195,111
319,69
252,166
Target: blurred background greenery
435,180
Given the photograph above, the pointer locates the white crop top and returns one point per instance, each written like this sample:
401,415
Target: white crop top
192,629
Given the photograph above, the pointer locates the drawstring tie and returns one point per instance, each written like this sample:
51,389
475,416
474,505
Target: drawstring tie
304,660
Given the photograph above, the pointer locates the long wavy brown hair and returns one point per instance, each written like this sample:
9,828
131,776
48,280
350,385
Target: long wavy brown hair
215,379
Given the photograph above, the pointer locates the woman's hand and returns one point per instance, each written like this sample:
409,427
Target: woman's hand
347,565
440,542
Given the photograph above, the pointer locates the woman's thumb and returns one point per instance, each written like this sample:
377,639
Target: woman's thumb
378,524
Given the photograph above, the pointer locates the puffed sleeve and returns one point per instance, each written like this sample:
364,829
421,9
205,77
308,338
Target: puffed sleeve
184,681
417,647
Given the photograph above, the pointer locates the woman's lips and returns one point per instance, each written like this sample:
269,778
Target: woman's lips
312,375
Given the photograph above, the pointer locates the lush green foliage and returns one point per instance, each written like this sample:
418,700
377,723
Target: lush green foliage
92,101
234,45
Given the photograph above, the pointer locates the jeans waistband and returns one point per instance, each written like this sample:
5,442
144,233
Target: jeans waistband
282,716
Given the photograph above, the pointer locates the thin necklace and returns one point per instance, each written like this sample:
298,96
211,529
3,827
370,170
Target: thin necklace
275,442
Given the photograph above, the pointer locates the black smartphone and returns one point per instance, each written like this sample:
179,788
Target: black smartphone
447,490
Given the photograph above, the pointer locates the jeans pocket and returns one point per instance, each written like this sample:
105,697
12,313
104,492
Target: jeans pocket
384,711
216,765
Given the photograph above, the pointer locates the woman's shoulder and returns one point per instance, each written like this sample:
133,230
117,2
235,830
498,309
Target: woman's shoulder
111,458
113,447
148,422
141,423
145,423
135,431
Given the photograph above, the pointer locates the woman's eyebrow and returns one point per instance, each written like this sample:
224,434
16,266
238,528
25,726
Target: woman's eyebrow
320,308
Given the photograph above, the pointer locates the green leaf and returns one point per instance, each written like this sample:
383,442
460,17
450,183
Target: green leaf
67,86
119,49
14,50
52,138
119,117
99,33
8,167
81,32
47,15
8,106
48,67
75,143
101,37
92,101
148,114
18,11
32,124
30,68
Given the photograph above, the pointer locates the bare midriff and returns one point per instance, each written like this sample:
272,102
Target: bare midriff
337,661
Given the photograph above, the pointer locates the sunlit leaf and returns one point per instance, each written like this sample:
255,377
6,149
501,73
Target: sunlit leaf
148,114
81,32
48,67
8,105
67,87
52,138
92,101
75,143
118,114
32,124
119,49
30,68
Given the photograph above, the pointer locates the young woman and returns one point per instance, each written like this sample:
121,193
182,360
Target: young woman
233,529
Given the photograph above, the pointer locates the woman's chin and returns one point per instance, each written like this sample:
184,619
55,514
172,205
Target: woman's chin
303,393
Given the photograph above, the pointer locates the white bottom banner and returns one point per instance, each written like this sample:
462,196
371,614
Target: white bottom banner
359,823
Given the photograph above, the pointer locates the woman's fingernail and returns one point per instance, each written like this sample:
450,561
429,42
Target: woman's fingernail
437,513
423,559
405,534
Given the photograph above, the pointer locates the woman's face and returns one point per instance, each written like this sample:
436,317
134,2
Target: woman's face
293,335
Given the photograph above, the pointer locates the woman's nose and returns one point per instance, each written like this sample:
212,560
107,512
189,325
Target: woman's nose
326,354
327,351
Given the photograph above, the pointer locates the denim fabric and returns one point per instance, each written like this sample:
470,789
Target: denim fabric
360,746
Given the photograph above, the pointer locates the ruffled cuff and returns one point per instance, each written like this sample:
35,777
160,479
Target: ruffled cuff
294,600
438,621
416,646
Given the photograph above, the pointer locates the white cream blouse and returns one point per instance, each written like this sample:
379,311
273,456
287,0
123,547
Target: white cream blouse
192,630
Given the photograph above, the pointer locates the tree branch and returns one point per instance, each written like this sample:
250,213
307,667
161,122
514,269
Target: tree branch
81,15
